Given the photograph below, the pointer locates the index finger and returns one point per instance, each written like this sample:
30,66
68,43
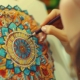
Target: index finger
53,14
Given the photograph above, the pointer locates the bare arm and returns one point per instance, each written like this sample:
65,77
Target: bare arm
52,30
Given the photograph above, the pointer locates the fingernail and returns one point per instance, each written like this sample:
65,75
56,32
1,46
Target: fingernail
41,38
43,29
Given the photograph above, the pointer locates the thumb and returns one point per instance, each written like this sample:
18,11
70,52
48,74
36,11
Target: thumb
48,29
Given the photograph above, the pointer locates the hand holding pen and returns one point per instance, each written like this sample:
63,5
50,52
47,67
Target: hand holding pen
54,27
53,21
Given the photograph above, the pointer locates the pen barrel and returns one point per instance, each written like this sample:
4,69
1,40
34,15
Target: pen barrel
53,20
38,31
49,23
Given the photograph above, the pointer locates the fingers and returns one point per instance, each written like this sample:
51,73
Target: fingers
50,29
53,14
47,29
41,36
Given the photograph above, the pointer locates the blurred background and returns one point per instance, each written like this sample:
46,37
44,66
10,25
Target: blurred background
38,9
51,4
62,59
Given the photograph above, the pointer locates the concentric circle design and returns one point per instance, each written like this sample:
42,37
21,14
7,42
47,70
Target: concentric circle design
21,50
22,58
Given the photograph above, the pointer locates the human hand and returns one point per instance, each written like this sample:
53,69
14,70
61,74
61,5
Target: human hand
51,29
70,14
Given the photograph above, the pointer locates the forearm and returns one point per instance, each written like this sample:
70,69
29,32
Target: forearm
61,35
67,47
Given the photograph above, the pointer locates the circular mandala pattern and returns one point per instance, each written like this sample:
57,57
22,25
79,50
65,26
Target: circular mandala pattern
21,50
22,58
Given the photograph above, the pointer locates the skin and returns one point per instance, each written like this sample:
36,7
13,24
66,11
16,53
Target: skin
52,30
70,17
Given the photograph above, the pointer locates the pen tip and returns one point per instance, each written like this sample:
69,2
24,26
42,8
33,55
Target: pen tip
29,37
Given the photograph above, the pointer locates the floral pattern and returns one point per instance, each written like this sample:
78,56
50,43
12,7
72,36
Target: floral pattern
22,58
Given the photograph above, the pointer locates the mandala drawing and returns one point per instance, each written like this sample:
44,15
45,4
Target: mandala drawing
22,58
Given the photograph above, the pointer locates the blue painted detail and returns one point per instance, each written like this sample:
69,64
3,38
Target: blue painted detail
17,70
39,50
42,57
17,8
2,52
1,78
17,20
36,40
4,31
25,11
0,60
33,68
40,47
2,40
27,71
39,53
12,26
2,7
9,64
38,73
31,78
38,61
9,7
43,60
23,56
27,24
28,31
21,26
21,17
22,48
17,52
18,78
25,77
